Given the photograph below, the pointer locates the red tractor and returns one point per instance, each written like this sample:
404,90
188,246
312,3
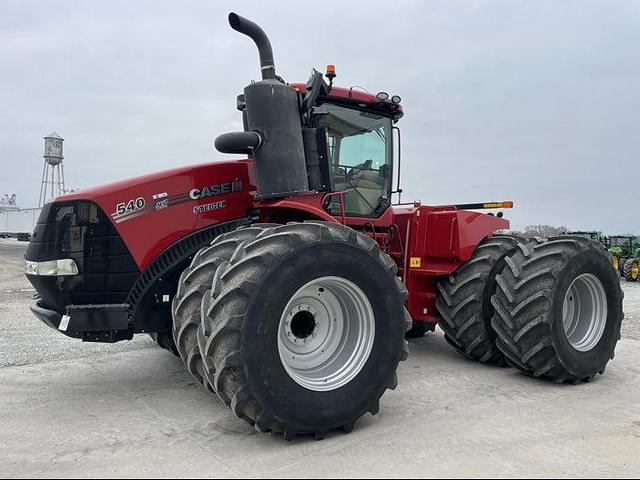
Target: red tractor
287,281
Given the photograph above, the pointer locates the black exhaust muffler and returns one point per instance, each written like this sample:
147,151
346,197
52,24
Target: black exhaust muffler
273,130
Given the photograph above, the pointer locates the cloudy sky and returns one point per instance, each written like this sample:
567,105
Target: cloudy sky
538,102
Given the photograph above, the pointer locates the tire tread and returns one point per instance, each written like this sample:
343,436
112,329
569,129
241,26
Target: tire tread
463,300
224,318
523,301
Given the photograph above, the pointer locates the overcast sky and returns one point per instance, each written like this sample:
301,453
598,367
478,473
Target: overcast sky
534,101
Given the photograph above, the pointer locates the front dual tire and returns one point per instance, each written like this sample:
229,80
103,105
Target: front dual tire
302,328
195,282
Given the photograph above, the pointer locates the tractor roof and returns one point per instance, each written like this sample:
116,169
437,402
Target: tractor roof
354,97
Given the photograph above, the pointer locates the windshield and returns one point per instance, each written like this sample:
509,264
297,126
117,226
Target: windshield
620,241
359,146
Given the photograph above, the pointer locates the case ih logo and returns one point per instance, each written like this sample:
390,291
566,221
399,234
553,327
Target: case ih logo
137,207
217,189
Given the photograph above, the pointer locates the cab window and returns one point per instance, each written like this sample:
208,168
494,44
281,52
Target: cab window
359,146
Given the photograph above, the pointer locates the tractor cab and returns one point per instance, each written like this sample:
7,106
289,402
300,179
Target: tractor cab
360,150
623,245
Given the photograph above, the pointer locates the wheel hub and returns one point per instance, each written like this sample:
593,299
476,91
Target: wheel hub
584,312
303,324
326,333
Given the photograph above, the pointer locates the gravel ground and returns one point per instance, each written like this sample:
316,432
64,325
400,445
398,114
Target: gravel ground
631,323
23,338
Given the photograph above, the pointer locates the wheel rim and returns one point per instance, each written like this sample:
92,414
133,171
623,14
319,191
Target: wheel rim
326,333
635,270
584,312
616,264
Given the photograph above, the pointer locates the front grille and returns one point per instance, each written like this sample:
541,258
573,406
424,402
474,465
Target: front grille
80,230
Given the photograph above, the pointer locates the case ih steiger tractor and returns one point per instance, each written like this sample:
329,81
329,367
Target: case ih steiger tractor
287,281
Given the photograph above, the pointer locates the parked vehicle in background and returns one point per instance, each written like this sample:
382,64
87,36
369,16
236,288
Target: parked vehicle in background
591,235
622,248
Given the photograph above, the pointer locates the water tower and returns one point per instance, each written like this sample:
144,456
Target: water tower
53,170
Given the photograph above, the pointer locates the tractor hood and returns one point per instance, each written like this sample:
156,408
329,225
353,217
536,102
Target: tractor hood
153,211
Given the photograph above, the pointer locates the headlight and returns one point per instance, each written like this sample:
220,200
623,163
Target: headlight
52,268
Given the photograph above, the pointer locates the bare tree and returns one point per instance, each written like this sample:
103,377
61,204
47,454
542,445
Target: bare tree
543,231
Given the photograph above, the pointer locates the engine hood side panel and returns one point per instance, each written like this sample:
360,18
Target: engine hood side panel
152,212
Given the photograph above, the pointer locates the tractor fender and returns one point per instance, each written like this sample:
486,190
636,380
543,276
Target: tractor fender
456,234
297,209
441,240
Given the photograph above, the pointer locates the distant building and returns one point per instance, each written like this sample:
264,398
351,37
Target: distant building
8,202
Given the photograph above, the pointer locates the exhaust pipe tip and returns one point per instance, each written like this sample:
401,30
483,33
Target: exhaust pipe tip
253,31
234,21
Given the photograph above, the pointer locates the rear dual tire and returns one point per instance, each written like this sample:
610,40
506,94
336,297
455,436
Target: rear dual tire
558,309
551,308
464,300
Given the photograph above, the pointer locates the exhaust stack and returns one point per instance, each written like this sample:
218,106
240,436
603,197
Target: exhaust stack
272,123
253,31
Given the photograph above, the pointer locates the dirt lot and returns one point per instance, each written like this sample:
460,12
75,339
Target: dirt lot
74,409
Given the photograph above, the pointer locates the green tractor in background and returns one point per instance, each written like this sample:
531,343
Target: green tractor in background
625,250
600,238
595,236
631,266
